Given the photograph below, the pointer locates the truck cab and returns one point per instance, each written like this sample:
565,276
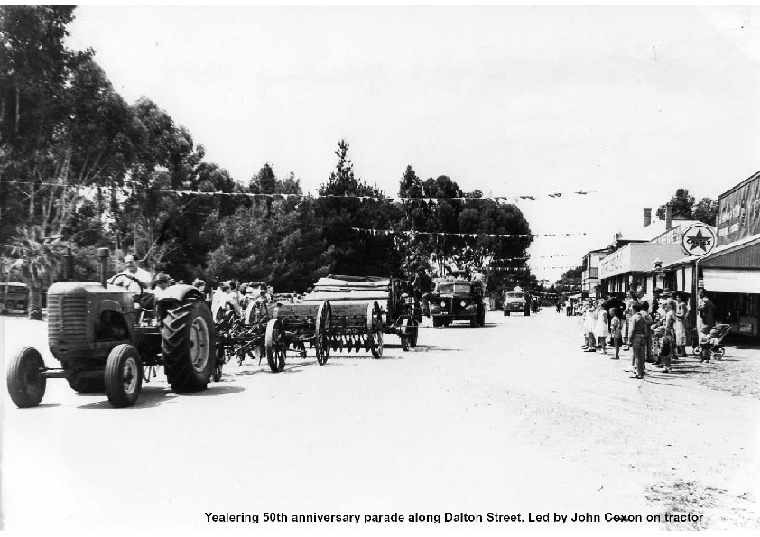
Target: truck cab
457,300
517,301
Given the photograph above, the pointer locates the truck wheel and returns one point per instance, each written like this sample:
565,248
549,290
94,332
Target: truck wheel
188,346
87,385
436,322
274,344
124,376
507,313
26,385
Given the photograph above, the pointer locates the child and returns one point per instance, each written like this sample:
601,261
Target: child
705,345
615,332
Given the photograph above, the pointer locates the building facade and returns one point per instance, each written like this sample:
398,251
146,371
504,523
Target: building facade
731,272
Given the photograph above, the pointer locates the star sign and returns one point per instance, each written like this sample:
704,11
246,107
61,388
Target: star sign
698,241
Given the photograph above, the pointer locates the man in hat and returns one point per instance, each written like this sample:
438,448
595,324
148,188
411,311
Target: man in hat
161,282
256,311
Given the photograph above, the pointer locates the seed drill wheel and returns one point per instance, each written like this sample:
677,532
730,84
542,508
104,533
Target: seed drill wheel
216,376
188,345
26,385
322,333
274,343
410,331
375,329
124,376
406,334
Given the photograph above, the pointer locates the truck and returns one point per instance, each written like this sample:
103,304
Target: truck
14,296
516,301
455,300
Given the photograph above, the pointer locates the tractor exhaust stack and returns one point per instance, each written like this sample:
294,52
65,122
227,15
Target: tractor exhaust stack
103,265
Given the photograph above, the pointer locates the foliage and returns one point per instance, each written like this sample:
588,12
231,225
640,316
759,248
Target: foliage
477,218
706,211
570,281
279,244
338,209
684,207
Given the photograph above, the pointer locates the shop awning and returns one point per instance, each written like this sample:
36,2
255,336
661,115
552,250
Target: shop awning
731,281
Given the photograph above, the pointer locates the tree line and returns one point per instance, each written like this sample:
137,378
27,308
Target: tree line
80,169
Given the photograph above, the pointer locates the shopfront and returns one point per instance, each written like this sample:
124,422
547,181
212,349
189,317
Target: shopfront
731,276
632,268
731,272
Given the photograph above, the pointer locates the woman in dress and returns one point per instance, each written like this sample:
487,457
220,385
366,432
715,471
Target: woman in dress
602,329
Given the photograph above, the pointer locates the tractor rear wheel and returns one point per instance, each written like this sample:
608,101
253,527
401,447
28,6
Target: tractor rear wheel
26,385
124,376
188,346
274,344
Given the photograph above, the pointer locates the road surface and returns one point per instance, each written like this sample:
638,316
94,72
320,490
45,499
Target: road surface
509,419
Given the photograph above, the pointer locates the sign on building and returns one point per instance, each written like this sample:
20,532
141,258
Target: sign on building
698,239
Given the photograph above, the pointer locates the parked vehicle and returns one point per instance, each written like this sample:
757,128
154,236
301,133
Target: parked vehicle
14,296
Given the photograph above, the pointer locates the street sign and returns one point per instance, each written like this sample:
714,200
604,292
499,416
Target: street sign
698,239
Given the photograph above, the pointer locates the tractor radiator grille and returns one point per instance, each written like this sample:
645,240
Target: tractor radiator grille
67,320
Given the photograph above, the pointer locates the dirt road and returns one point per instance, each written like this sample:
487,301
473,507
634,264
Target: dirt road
509,419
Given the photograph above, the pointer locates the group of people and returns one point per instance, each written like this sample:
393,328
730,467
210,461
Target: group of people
657,332
247,300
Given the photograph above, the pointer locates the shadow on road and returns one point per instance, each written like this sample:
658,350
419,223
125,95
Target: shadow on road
428,348
153,396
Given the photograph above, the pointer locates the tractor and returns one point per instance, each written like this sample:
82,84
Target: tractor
108,338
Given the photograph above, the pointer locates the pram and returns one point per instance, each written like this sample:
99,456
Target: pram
712,346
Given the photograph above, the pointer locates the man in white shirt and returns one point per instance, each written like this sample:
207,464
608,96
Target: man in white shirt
131,269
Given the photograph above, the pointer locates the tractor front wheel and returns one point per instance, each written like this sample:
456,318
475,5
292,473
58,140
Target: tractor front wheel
26,385
124,376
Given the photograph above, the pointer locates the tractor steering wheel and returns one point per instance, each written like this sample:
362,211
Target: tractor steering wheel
129,276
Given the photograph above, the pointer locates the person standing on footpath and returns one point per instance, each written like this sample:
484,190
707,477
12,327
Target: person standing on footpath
706,311
629,302
638,340
644,312
615,323
601,329
681,327
668,338
589,322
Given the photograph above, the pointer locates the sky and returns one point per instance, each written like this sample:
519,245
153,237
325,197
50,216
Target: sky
629,103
